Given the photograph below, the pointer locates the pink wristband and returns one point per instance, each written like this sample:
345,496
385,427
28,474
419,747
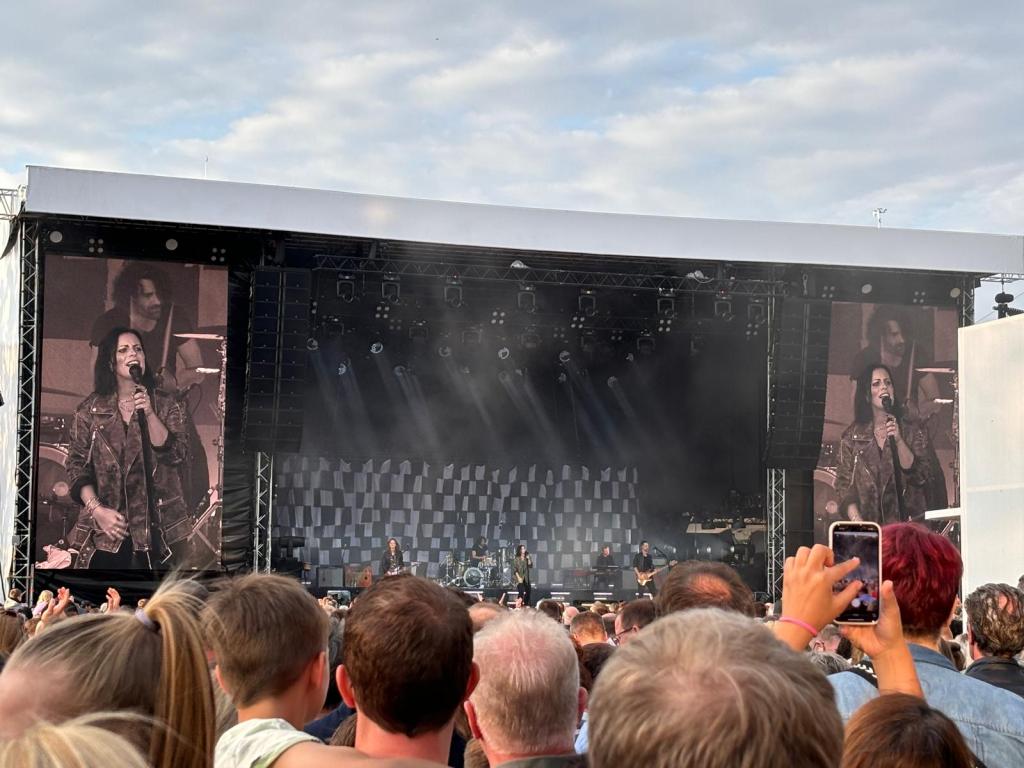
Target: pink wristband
800,623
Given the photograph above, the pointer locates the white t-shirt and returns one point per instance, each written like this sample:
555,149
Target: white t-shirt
257,743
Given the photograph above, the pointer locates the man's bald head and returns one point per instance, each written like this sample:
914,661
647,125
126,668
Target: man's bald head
701,584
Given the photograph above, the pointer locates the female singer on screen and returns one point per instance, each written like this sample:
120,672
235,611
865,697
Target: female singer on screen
392,563
521,565
866,482
128,520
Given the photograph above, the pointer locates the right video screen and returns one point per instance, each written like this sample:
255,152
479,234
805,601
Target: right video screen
889,441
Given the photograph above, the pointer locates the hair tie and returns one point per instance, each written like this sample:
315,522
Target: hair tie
144,620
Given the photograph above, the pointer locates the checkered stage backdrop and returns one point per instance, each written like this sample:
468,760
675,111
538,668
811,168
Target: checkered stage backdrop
346,512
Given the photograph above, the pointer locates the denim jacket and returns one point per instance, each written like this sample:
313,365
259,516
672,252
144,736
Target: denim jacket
990,719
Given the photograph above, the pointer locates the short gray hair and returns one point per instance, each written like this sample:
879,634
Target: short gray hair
707,687
527,699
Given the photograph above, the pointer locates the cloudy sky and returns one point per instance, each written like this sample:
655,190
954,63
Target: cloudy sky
782,110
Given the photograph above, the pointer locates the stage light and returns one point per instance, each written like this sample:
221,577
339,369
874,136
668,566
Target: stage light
312,344
498,317
613,382
645,345
342,369
503,353
667,306
95,245
472,336
954,293
171,244
723,309
526,299
418,331
453,294
828,291
867,288
504,377
588,303
444,351
664,324
588,340
390,290
345,287
399,371
530,339
562,378
564,356
383,311
919,297
376,348
56,237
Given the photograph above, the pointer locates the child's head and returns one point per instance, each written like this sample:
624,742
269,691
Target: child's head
150,662
79,743
265,631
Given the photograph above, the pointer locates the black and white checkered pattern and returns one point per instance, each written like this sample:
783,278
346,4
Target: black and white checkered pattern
346,512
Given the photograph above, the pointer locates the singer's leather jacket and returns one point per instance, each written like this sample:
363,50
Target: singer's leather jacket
108,456
865,474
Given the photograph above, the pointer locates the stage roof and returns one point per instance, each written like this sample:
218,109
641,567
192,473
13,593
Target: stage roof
203,202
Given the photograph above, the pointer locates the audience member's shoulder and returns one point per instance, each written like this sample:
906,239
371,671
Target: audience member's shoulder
310,753
852,691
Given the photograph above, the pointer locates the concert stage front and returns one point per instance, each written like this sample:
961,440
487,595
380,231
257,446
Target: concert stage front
340,370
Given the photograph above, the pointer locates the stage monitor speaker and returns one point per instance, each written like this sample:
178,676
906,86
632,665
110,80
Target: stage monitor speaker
330,576
798,372
279,329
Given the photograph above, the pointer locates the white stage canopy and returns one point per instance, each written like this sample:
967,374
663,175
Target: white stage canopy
289,209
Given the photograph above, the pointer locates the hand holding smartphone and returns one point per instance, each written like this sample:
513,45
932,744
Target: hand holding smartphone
862,540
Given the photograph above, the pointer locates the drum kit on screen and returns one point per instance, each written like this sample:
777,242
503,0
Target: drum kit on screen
56,512
492,571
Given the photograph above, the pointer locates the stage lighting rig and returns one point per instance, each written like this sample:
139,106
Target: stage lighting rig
376,348
530,339
645,345
390,290
345,288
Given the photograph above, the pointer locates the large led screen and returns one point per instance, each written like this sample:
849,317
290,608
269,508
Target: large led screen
130,414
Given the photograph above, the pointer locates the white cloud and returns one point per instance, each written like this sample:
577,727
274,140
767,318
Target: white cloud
778,110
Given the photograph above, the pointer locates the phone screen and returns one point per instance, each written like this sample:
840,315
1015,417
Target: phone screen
858,540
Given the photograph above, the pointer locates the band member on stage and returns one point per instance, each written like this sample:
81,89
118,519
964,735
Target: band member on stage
865,480
392,563
891,342
129,519
479,551
144,301
643,567
521,565
604,566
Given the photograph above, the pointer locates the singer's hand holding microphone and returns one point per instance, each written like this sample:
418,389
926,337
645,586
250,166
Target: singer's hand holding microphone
892,427
141,396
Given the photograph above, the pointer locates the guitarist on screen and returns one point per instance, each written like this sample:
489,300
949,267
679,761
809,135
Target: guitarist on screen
643,567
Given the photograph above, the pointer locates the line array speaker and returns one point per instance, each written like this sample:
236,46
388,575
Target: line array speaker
276,369
799,375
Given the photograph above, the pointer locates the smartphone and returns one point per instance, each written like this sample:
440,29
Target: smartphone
863,540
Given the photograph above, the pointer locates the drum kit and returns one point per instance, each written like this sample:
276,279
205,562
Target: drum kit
56,512
492,571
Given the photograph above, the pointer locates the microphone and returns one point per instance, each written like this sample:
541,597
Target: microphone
135,371
891,410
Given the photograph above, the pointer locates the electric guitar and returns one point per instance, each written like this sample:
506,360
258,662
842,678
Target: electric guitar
644,577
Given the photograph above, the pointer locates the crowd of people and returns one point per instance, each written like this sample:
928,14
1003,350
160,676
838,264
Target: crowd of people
255,671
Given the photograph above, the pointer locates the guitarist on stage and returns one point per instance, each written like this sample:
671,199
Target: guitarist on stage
643,567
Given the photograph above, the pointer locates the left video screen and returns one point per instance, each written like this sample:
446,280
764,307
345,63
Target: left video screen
130,414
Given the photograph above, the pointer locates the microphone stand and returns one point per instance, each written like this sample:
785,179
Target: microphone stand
897,470
136,374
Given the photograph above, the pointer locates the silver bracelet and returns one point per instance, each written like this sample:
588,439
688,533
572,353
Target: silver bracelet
92,503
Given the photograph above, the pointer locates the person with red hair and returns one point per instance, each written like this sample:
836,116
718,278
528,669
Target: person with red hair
925,569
